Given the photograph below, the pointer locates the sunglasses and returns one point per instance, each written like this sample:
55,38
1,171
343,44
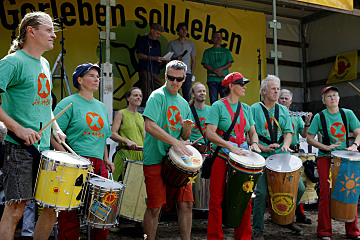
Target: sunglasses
241,84
172,78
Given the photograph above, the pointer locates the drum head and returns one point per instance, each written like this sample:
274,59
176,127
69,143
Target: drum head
304,154
66,158
105,183
252,160
283,163
189,163
352,156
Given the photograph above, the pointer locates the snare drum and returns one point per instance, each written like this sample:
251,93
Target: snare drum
243,174
201,191
177,169
345,182
283,175
310,196
60,181
102,202
133,199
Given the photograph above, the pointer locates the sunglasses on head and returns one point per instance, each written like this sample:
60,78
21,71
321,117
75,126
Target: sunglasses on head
172,78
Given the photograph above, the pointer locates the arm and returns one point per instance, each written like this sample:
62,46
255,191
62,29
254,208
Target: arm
353,147
58,146
219,70
187,125
152,128
142,56
254,139
307,125
287,141
214,138
311,140
57,133
193,65
117,124
108,164
208,67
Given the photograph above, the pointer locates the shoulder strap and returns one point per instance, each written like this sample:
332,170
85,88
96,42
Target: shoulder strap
326,139
273,135
197,121
343,117
239,129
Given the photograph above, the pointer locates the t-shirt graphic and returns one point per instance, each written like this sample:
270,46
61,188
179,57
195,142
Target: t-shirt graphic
173,114
43,90
337,130
94,121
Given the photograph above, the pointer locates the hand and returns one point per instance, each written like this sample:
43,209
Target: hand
286,149
181,149
308,118
179,58
28,135
218,72
255,147
239,151
110,166
132,145
160,59
59,135
352,148
332,146
187,124
270,147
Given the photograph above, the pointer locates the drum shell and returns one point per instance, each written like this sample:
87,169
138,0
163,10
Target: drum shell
340,211
201,192
96,193
279,183
133,198
60,185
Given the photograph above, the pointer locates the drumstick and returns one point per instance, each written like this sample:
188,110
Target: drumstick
197,141
354,88
52,120
69,148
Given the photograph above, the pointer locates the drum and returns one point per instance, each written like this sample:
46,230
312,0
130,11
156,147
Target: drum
283,175
102,202
60,180
310,196
177,170
243,174
345,182
201,191
133,199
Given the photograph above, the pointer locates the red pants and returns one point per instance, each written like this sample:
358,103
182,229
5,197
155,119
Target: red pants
217,191
324,221
69,224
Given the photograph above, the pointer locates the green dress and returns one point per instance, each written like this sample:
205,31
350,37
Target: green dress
133,129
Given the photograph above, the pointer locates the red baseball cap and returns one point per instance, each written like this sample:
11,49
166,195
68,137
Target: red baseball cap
328,89
234,77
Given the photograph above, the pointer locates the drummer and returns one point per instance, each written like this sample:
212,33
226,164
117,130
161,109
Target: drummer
128,131
167,123
299,127
218,121
200,112
25,86
271,142
86,124
336,139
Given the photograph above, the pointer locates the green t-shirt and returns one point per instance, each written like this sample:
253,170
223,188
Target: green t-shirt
336,128
86,125
195,132
216,57
27,85
220,117
164,109
298,126
261,125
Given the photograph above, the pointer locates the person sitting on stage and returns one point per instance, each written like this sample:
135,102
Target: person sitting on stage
200,111
167,123
25,86
336,120
271,142
86,124
128,131
299,127
220,118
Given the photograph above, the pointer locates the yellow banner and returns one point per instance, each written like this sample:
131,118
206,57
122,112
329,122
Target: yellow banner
341,4
344,68
243,33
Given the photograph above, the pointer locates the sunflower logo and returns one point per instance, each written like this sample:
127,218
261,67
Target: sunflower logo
350,184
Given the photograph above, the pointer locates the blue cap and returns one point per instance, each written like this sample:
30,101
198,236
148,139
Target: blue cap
81,70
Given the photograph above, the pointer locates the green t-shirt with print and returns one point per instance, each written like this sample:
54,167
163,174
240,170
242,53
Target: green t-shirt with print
298,126
216,57
86,125
336,128
261,125
195,132
164,109
220,117
27,85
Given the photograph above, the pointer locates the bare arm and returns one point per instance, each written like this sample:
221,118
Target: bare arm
58,134
287,141
187,125
307,123
353,147
311,140
208,67
254,139
142,56
109,165
117,124
193,65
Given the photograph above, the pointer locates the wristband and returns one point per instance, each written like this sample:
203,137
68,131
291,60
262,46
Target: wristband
255,143
307,125
356,144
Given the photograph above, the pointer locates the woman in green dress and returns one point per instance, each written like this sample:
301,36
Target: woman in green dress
128,131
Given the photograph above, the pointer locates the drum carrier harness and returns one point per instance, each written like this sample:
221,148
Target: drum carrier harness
272,132
197,122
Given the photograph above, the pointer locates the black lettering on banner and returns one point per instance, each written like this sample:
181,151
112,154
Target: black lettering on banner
14,15
166,17
142,24
54,9
43,6
225,35
208,38
233,37
196,26
151,16
122,15
26,8
187,12
100,14
65,14
89,19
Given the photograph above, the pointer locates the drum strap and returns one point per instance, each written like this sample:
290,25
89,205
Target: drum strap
239,129
326,139
197,122
272,132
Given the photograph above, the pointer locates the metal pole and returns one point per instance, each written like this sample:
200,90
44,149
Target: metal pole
276,59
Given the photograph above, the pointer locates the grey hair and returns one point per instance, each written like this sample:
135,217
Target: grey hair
286,91
192,91
265,81
33,19
177,65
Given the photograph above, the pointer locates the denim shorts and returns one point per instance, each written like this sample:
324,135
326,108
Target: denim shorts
17,170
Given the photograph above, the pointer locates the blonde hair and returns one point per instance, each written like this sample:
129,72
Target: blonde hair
33,19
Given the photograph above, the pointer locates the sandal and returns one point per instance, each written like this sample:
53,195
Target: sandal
325,237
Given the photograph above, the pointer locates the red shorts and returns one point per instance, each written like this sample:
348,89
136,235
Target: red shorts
158,193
